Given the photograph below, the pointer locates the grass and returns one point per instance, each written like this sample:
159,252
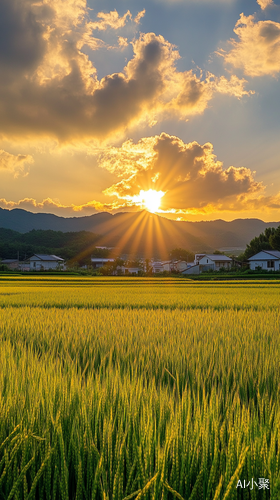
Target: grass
115,389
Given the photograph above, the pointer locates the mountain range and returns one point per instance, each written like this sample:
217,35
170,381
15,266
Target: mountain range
143,232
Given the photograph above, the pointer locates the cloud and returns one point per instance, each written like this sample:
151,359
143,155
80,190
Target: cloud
57,94
188,174
110,20
139,16
21,38
260,202
234,86
265,3
257,51
14,163
240,203
193,93
122,41
49,205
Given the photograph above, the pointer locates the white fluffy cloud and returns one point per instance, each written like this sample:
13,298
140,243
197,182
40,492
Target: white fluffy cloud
14,163
110,20
257,50
264,3
50,87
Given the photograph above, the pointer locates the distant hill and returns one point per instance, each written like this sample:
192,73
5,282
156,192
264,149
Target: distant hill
141,232
23,221
76,246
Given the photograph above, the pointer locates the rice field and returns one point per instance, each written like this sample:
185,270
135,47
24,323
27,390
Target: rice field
114,389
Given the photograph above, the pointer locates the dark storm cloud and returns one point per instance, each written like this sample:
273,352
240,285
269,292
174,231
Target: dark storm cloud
21,37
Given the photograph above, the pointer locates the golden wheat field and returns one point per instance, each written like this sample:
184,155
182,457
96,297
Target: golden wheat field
154,389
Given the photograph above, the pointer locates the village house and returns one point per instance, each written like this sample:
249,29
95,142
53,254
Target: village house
214,262
179,266
204,262
10,263
268,260
167,265
130,270
192,269
157,267
39,262
97,262
197,258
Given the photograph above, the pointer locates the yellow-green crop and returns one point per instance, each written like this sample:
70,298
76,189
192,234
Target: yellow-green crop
141,389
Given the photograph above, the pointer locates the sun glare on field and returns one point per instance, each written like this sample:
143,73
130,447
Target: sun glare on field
151,199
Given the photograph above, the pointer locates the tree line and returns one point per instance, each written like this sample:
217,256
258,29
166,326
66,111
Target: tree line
79,247
268,240
71,246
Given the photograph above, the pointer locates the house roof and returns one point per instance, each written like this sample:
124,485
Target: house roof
8,261
47,257
271,255
188,268
219,258
274,253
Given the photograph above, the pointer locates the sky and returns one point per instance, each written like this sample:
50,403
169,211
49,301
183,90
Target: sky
167,105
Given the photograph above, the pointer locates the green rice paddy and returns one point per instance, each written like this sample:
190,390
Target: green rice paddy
139,389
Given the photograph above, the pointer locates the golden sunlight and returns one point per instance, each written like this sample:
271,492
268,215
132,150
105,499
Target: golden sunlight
151,199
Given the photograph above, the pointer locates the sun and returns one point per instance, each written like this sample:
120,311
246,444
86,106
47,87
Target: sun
151,199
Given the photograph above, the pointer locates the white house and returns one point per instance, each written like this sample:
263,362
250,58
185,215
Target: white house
194,269
203,262
167,265
179,266
39,262
214,262
97,262
24,265
266,259
197,257
157,267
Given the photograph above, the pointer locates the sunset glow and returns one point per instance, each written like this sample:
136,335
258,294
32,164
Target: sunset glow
116,104
151,199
